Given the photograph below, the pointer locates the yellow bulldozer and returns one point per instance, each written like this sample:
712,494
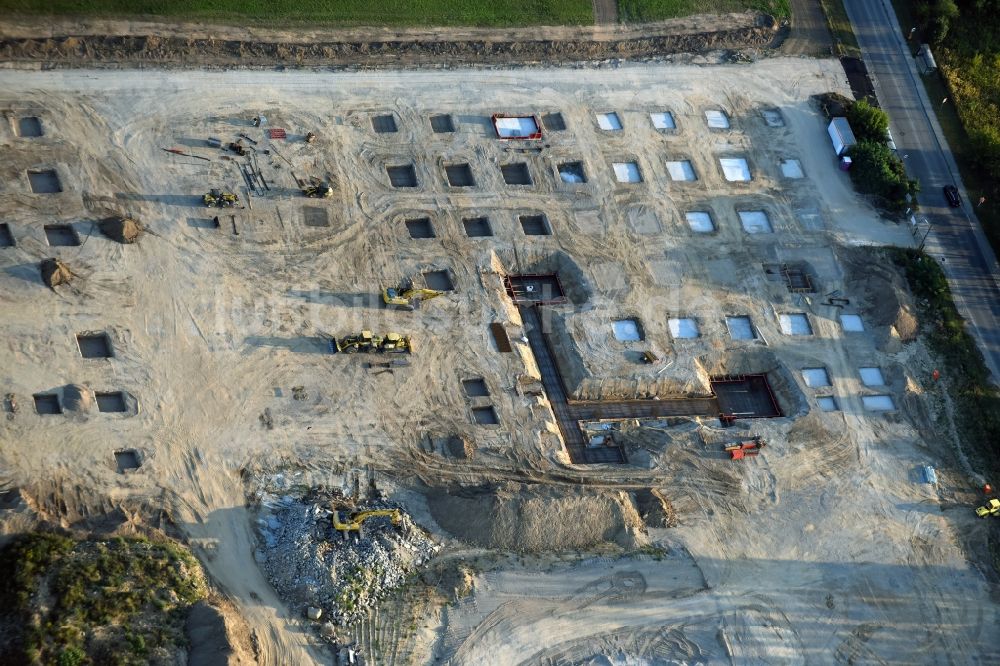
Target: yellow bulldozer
353,522
394,343
407,297
219,199
992,508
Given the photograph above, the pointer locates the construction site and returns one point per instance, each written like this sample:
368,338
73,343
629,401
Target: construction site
593,365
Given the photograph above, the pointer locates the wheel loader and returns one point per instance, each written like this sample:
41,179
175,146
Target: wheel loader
407,298
219,199
363,342
318,191
992,508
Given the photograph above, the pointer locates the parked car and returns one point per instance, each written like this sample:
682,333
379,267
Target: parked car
951,194
889,142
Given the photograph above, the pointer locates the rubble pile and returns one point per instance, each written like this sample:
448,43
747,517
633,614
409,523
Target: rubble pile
324,575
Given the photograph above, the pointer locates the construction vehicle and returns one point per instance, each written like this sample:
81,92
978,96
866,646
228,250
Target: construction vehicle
406,297
745,449
310,137
237,147
992,508
369,343
318,191
394,343
363,342
219,199
353,523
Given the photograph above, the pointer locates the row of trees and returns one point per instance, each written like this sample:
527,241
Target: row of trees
878,171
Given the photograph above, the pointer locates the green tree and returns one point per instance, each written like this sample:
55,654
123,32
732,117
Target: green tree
879,172
868,122
942,14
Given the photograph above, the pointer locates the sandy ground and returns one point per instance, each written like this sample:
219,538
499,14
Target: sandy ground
822,549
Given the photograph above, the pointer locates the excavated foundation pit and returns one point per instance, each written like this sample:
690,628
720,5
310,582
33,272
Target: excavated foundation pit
110,401
442,124
531,293
439,281
745,397
516,174
420,227
44,181
313,216
554,122
47,403
535,225
94,345
485,415
403,175
459,175
29,127
475,387
384,124
477,227
61,235
126,459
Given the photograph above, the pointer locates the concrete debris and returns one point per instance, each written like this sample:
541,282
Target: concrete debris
320,573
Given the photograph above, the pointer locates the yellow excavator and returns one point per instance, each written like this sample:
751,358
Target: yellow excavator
353,522
407,297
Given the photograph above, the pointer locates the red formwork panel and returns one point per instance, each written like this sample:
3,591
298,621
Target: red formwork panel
516,128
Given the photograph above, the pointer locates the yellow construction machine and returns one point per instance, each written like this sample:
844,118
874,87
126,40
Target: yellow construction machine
369,343
318,191
394,343
407,297
219,199
363,342
353,523
992,508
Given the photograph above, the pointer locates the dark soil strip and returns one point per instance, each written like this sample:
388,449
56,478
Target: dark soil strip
107,50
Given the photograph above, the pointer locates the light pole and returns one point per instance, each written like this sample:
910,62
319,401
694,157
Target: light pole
926,234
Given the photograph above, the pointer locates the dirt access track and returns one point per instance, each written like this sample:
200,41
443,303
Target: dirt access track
826,547
130,43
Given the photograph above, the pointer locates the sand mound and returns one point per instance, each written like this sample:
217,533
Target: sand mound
122,229
215,638
460,447
55,272
905,324
519,518
77,398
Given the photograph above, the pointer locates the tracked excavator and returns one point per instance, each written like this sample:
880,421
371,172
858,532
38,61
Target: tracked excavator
353,522
407,297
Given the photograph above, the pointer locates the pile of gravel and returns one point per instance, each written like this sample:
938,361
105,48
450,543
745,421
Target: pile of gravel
312,566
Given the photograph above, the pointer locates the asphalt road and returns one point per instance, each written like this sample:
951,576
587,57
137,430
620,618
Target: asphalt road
955,237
